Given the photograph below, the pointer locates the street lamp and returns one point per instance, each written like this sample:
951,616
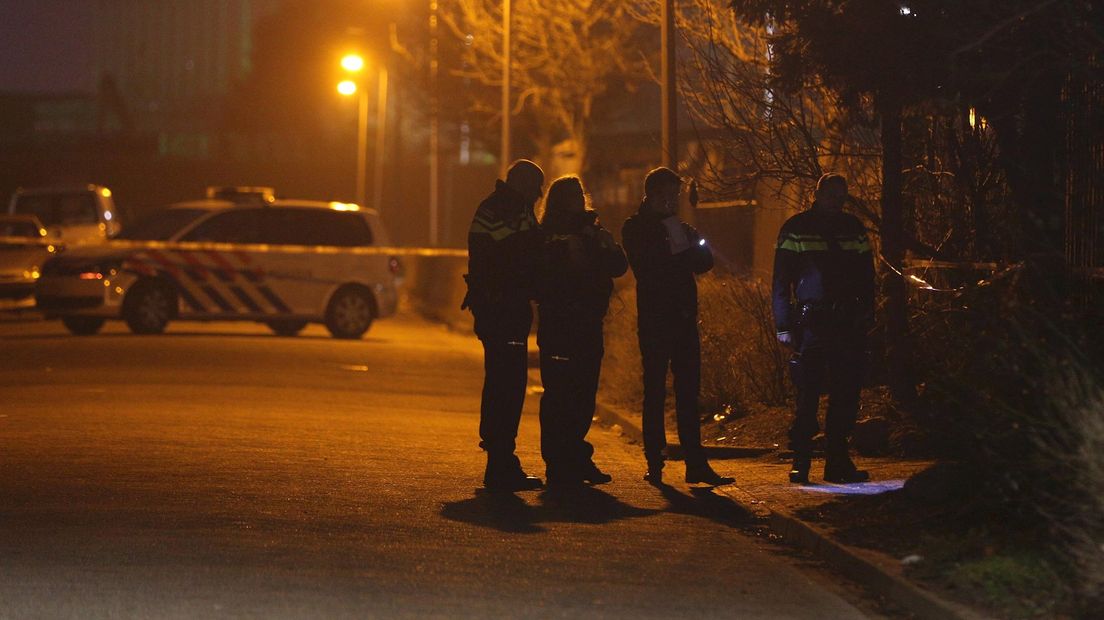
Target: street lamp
347,88
354,63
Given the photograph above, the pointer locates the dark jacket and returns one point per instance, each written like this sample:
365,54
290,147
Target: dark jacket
822,259
503,243
578,264
665,286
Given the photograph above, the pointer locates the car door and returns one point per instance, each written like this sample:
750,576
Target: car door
294,258
228,275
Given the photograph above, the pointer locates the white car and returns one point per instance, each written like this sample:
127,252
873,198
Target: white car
23,250
69,214
285,263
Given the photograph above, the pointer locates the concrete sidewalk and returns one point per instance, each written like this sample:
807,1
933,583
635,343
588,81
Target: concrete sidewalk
763,489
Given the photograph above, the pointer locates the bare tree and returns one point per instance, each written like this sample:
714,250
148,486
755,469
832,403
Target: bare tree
756,136
565,55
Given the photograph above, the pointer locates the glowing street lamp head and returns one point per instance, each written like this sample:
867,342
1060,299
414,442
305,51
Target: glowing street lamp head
353,63
347,88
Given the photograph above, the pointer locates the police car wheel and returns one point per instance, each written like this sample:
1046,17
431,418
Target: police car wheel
286,327
349,314
82,325
148,307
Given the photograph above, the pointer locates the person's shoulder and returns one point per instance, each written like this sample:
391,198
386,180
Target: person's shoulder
852,222
631,223
797,222
488,204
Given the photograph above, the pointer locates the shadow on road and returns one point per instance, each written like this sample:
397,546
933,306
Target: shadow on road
502,511
705,502
509,513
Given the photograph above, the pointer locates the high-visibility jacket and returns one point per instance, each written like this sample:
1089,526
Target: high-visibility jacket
503,246
822,258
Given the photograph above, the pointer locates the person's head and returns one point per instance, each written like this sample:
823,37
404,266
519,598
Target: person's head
831,192
526,178
661,190
566,197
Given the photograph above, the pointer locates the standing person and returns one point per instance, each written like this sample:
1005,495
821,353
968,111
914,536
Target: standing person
665,254
579,261
823,303
503,242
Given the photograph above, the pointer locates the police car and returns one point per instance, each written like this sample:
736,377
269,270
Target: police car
239,255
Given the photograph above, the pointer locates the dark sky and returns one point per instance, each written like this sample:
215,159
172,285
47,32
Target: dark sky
45,45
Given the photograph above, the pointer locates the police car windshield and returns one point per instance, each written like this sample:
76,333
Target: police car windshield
160,225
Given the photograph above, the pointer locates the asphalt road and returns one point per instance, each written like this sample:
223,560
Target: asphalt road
221,471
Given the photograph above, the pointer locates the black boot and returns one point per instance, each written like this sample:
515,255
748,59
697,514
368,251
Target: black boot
504,473
799,471
702,473
593,475
838,467
654,475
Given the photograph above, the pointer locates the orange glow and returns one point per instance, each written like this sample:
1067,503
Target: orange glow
344,206
88,275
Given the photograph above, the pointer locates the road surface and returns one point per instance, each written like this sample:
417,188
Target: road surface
221,471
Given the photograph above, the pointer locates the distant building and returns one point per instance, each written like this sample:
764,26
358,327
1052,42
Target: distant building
170,61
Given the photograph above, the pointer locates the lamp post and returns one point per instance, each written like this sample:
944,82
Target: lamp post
434,127
354,64
381,139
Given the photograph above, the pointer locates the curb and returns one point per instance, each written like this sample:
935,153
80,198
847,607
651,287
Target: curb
866,568
879,574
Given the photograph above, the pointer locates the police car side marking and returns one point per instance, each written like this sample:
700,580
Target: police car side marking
199,273
256,275
173,274
227,273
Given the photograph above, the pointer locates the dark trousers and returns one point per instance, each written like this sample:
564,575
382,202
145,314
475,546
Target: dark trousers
570,366
671,344
505,364
833,363
504,331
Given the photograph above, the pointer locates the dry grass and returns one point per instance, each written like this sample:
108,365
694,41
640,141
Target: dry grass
1069,451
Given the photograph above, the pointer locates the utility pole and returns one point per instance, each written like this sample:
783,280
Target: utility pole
434,127
668,86
504,157
381,137
362,147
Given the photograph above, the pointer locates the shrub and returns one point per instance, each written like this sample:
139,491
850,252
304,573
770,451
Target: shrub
742,364
1014,391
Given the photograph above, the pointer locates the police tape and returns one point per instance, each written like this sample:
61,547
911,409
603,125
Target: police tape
226,279
996,273
202,246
